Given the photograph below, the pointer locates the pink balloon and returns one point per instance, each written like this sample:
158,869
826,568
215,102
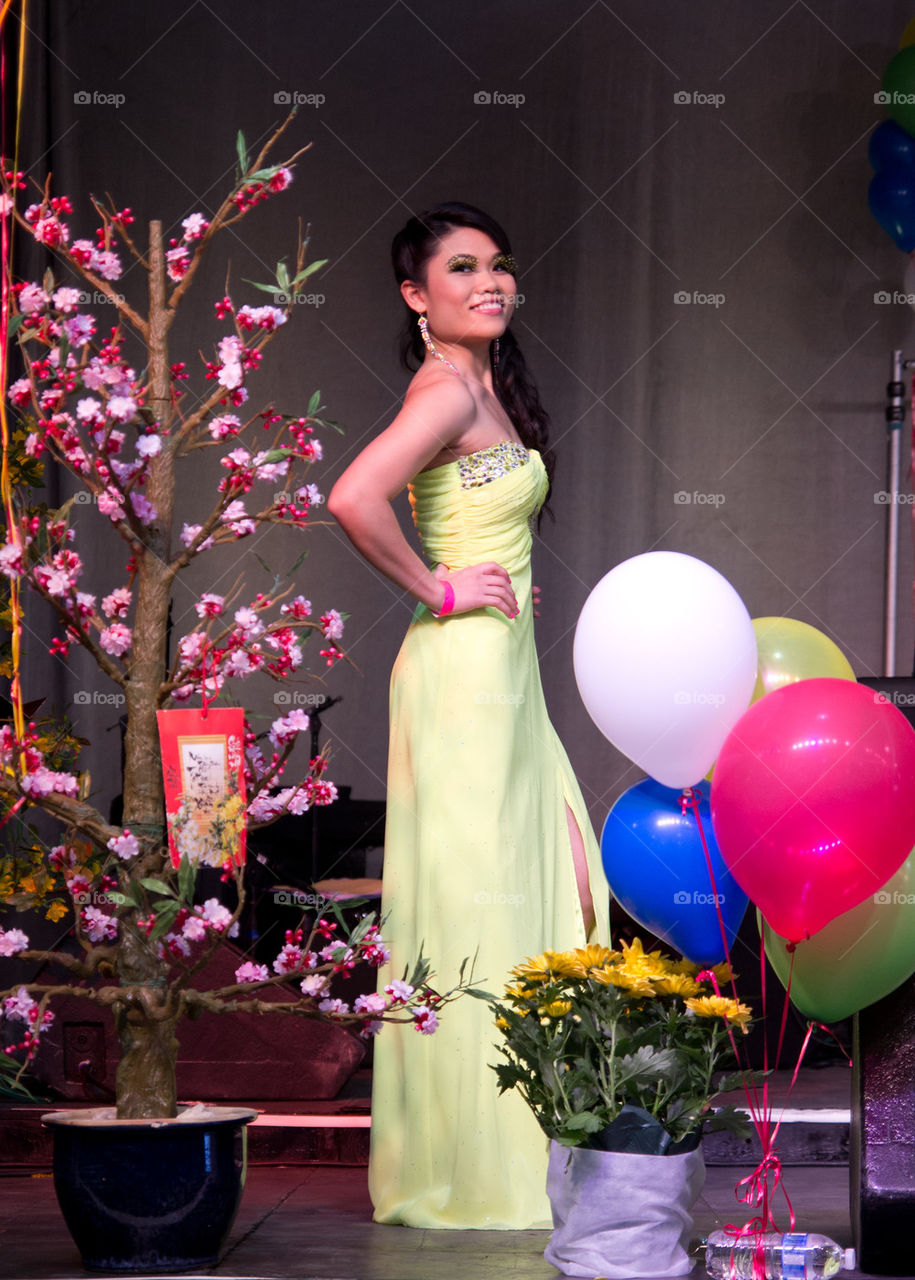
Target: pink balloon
813,801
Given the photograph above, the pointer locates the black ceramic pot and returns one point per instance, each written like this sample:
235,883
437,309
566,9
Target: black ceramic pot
149,1195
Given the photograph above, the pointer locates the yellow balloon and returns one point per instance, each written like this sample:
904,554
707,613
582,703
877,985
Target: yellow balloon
908,36
790,651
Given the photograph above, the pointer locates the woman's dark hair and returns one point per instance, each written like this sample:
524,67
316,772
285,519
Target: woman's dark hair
517,392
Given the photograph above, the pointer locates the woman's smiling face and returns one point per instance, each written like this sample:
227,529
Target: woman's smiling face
468,294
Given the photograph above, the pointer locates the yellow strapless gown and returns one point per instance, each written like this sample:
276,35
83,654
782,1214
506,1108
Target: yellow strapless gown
477,859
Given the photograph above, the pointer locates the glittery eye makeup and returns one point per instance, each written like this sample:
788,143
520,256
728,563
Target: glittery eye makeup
505,262
460,261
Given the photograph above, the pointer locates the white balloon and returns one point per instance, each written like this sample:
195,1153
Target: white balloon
665,661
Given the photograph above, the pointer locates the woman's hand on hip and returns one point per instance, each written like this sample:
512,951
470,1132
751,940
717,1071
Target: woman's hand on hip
481,586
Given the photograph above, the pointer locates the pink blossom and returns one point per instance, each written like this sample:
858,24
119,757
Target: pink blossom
44,782
289,959
399,991
263,807
189,533
194,929
107,264
116,639
281,179
332,625
237,458
333,1006
79,329
269,318
217,916
315,985
83,251
371,1028
226,425
191,647
250,972
425,1020
310,494
371,1003
125,846
298,608
149,446
12,941
122,408
67,299
109,504
178,260
32,299
294,800
145,511
240,664
98,925
50,230
20,1006
117,603
249,623
88,409
194,227
209,605
285,729
11,564
20,393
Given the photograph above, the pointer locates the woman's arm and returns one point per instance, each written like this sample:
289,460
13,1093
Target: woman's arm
434,416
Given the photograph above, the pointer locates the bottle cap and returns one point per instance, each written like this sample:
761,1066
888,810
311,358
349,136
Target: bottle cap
850,1260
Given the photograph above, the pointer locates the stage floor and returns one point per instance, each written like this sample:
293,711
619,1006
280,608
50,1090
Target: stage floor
315,1224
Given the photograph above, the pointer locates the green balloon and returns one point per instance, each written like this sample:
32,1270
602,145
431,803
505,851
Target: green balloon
899,88
859,957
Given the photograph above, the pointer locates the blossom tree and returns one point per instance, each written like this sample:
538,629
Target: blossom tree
141,934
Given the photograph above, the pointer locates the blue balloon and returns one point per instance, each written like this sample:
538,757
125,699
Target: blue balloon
891,196
891,148
653,857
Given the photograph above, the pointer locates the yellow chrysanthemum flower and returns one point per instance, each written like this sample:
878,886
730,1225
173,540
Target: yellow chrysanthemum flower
539,968
683,966
556,1008
677,984
594,955
636,984
721,1007
503,1024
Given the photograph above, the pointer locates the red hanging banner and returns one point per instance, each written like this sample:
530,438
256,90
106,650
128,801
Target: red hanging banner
203,769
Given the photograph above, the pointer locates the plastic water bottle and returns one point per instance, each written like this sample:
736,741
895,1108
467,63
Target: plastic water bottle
798,1256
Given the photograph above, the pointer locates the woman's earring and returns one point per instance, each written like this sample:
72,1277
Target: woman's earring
495,353
430,345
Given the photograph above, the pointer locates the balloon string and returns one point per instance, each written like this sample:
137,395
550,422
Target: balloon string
757,1193
912,481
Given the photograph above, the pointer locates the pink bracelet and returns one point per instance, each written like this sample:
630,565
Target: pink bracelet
448,602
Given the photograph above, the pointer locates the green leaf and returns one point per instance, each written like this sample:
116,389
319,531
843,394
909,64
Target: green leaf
187,874
156,886
242,152
165,918
119,899
14,323
584,1122
479,995
310,270
313,405
267,288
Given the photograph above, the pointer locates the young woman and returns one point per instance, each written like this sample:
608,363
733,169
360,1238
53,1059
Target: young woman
488,850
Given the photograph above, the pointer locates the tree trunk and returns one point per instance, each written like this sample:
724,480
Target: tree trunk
146,1071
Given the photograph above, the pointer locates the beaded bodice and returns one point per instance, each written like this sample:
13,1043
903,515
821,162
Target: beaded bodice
491,463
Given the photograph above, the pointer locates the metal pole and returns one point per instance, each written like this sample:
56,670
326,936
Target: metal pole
895,410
